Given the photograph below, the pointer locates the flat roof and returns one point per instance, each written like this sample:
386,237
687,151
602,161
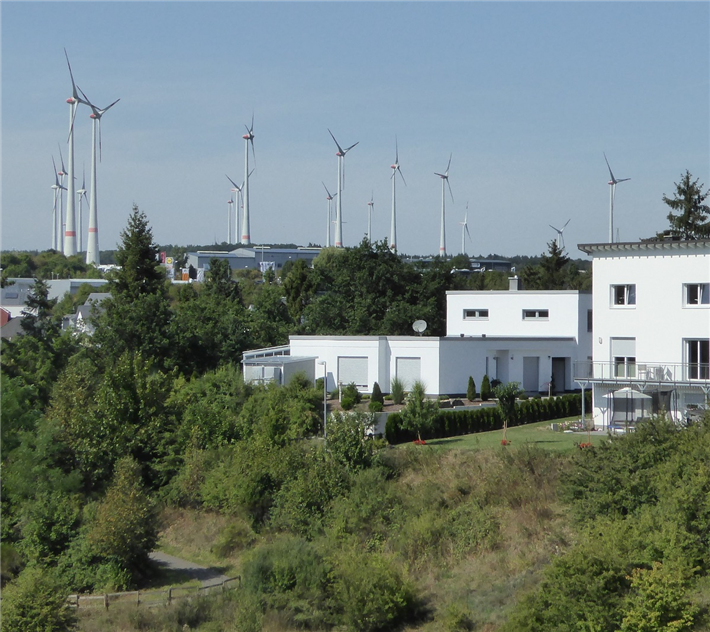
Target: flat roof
649,247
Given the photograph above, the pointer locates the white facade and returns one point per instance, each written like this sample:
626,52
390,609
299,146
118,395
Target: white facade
651,322
508,346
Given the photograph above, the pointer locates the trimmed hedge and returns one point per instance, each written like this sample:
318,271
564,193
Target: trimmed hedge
458,422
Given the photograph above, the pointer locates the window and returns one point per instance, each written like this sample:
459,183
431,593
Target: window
623,294
590,321
698,359
697,293
624,366
475,314
536,314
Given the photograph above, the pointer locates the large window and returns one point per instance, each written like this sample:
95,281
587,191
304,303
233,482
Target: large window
623,353
536,314
697,293
623,295
698,359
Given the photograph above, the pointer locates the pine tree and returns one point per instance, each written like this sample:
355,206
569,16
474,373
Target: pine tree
140,272
693,218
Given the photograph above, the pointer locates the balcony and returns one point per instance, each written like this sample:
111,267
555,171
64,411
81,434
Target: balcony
642,373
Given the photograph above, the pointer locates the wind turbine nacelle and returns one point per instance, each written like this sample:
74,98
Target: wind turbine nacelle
93,116
70,100
394,166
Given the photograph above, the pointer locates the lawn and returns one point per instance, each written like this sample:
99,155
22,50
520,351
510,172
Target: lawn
537,434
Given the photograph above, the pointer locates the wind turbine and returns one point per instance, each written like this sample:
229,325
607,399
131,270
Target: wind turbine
560,236
464,231
329,197
230,201
395,168
61,224
249,138
70,232
239,190
341,185
612,191
82,196
370,208
92,245
56,221
444,181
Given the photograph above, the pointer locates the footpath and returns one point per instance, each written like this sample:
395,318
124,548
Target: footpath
206,576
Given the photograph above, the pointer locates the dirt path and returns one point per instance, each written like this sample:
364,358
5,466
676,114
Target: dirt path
207,576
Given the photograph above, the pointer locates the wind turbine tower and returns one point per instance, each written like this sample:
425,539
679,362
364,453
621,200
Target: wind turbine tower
560,236
81,193
230,201
612,191
70,232
92,245
329,197
464,232
341,185
370,207
395,168
56,221
444,181
61,223
239,191
248,138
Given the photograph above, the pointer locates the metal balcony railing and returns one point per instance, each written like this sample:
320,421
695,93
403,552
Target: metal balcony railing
642,372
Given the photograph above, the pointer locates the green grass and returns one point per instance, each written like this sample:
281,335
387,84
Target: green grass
538,434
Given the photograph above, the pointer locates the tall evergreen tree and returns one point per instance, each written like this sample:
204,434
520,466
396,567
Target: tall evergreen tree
140,272
692,220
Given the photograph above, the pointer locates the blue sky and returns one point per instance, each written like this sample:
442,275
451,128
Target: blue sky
526,96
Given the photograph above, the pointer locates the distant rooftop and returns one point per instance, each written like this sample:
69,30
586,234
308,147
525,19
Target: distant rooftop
645,246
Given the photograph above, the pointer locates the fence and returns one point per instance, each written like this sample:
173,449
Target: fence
149,598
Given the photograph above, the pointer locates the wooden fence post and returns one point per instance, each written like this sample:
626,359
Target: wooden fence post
106,601
170,594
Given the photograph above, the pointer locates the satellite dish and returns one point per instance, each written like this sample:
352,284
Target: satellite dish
419,326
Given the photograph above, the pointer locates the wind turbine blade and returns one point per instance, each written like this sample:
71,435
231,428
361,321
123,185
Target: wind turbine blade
108,107
253,153
232,181
100,153
447,166
467,231
449,185
61,159
56,176
553,228
326,189
400,173
351,146
441,175
567,222
340,149
396,151
623,180
608,167
71,125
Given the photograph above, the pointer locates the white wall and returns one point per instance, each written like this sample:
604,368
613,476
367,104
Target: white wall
567,313
659,321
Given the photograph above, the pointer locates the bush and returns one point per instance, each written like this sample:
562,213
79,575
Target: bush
347,402
486,391
370,593
375,407
397,388
471,390
35,602
377,394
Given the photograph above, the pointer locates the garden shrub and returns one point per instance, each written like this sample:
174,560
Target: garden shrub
375,407
397,388
486,390
377,394
471,390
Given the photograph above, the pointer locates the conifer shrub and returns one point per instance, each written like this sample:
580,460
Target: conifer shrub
397,388
486,390
471,390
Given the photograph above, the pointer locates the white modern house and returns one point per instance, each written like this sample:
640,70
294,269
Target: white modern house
526,336
651,330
